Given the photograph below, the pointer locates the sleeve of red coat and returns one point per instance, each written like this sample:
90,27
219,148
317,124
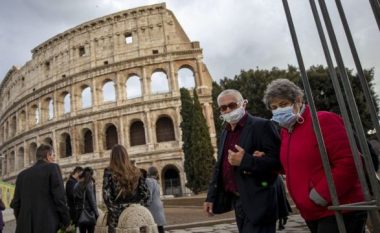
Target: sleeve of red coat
340,155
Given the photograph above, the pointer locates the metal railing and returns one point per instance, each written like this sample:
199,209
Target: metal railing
372,202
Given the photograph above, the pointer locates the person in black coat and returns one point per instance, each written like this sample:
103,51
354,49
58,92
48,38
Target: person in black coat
73,179
39,201
85,199
241,180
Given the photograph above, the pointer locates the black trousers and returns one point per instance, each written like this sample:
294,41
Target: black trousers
354,222
86,228
245,225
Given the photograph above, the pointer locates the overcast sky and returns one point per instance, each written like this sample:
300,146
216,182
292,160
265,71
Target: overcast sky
234,35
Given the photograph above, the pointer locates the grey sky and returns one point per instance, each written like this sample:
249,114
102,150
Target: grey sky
235,35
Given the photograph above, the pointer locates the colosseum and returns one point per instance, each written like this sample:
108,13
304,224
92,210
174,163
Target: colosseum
114,79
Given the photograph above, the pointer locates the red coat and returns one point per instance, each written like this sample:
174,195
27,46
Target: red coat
303,167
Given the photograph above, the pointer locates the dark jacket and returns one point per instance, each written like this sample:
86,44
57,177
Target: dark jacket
39,201
2,207
89,201
117,203
70,197
255,175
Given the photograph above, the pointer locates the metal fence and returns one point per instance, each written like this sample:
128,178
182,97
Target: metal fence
347,106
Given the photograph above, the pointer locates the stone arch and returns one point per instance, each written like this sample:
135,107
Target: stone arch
20,158
86,96
111,136
22,120
171,180
165,129
65,146
186,77
133,86
137,133
32,152
13,126
159,82
87,141
109,91
48,141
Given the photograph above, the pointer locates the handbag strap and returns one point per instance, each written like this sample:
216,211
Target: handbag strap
84,196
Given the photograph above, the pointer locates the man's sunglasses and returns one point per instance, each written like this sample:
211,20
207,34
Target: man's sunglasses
232,106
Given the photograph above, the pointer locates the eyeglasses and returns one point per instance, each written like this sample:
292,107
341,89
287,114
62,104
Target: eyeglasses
232,106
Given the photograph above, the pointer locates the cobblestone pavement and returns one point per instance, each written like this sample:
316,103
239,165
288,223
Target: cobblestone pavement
295,224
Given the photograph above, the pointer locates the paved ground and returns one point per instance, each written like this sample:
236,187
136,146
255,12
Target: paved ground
192,220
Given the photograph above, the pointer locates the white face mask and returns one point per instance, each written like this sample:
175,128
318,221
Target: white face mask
234,116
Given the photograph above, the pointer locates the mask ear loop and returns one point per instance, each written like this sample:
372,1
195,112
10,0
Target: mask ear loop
300,119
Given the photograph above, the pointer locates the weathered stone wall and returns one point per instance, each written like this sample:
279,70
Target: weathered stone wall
42,101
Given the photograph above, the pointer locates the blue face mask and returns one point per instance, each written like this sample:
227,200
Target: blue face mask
285,116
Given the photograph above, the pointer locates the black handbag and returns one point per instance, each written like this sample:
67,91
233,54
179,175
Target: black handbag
86,217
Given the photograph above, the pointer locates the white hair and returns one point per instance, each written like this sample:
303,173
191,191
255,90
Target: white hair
231,92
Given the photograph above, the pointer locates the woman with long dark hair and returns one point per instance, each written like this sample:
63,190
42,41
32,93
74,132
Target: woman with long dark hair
85,199
123,185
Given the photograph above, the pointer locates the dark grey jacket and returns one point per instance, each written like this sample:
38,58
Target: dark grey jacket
39,200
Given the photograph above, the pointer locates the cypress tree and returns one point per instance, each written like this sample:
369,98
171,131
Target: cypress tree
201,157
186,113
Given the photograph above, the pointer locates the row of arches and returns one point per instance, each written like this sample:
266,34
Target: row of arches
48,109
164,129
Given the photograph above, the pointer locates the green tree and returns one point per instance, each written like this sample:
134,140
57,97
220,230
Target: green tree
252,84
187,118
200,159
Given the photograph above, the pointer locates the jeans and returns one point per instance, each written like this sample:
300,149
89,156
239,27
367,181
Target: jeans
354,222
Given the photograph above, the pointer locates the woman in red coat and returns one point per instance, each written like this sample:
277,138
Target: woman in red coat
302,163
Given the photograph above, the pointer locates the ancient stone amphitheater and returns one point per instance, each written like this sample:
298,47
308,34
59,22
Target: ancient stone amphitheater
114,79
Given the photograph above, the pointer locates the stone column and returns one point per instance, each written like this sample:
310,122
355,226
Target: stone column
94,95
199,75
173,79
96,139
119,88
149,129
146,84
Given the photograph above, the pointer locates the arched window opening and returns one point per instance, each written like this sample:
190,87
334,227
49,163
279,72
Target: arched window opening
186,78
109,93
13,126
137,134
48,141
165,130
159,83
111,137
20,158
86,97
32,152
65,146
66,103
171,181
87,142
133,87
22,120
50,109
12,161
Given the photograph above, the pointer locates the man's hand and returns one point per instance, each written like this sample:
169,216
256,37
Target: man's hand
258,153
207,208
234,158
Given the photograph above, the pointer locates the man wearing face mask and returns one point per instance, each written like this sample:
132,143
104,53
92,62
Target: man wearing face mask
241,181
